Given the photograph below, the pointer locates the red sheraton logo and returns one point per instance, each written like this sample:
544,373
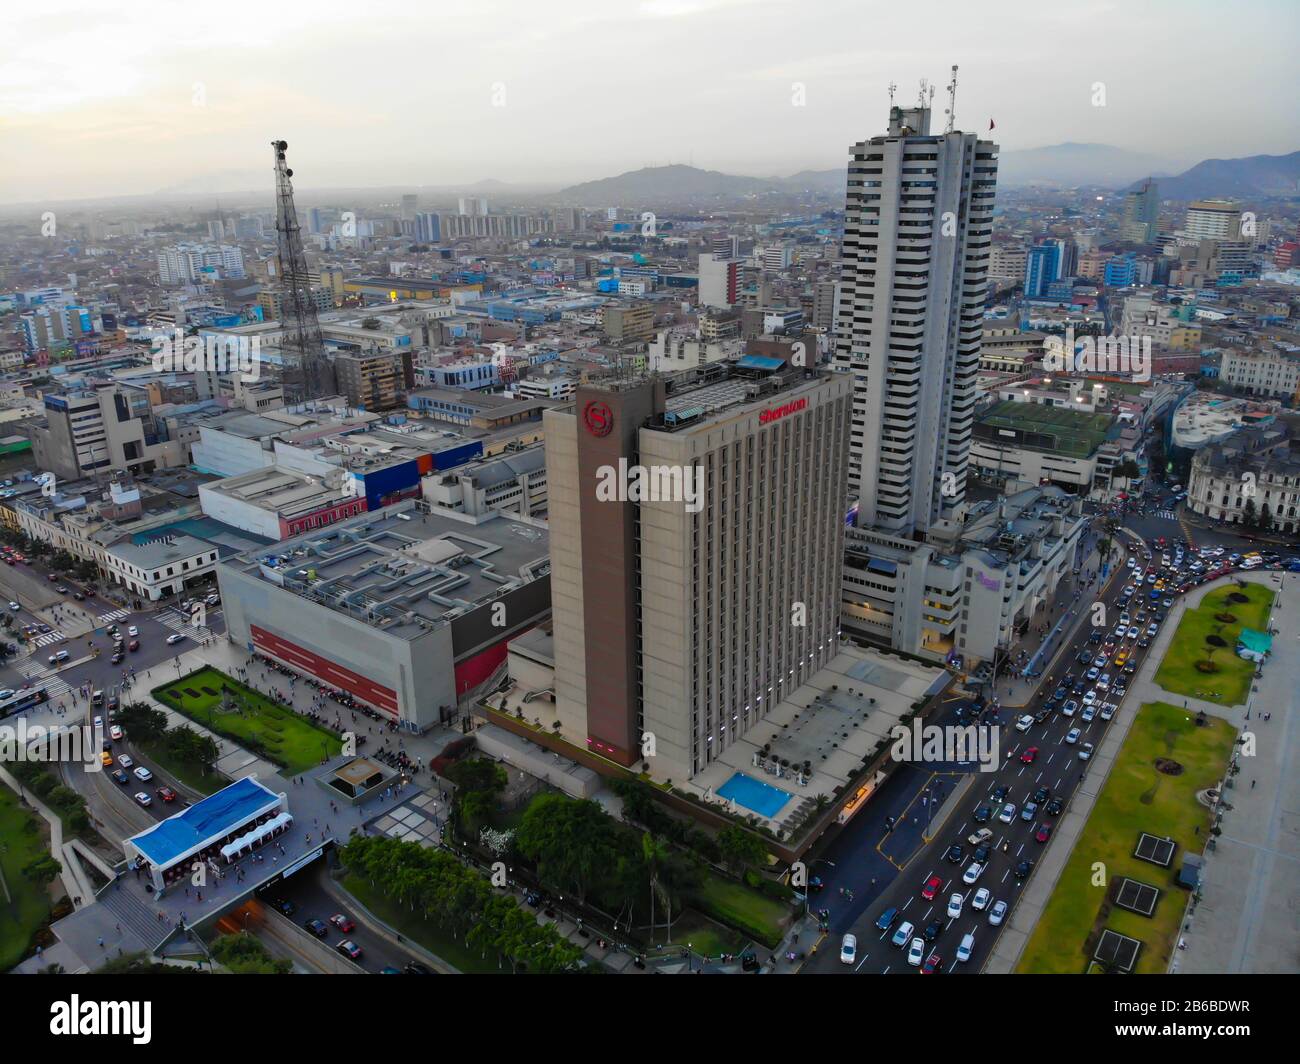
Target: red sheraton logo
773,413
598,417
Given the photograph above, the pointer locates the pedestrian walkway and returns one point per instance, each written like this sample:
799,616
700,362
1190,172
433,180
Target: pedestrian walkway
115,615
180,624
51,637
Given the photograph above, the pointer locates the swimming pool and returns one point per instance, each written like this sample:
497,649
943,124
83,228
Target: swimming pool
755,795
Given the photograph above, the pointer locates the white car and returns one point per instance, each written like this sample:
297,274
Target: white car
1088,714
998,913
15,607
980,837
1107,711
981,900
1085,751
115,733
143,774
125,760
1090,697
954,906
849,949
1121,631
132,630
1008,813
972,873
143,798
98,722
172,640
916,953
1024,723
902,934
966,948
1072,736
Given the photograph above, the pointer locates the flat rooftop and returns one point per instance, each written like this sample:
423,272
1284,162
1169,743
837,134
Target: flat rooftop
404,569
278,491
1073,433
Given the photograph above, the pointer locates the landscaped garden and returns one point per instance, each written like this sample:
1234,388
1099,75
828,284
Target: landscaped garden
26,868
249,718
1166,760
1202,660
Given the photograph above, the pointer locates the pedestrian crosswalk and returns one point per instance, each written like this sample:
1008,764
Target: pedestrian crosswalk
48,638
180,623
115,615
1168,515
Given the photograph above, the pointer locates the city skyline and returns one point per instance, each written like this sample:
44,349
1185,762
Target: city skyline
194,116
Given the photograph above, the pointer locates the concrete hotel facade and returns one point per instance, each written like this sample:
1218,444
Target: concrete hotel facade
686,626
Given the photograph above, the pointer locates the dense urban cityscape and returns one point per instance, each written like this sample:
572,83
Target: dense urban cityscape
890,568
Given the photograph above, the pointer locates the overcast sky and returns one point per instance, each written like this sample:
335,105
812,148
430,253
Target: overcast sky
116,97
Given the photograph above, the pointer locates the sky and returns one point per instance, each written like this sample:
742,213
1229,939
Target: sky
132,97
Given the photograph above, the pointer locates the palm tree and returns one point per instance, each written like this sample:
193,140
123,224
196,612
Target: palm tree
655,854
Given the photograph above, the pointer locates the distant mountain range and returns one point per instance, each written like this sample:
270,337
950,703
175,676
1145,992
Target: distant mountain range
1253,177
1070,164
688,184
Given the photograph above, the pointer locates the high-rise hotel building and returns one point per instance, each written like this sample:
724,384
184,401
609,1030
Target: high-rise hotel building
680,619
917,232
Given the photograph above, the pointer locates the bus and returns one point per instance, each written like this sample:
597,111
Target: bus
21,701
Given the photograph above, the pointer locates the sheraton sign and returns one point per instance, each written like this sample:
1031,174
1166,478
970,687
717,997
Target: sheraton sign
775,413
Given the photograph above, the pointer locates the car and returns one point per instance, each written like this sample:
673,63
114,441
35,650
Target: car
59,658
1107,711
1043,833
1121,631
172,640
932,887
981,855
1090,697
1061,691
116,659
966,948
143,774
119,776
1071,707
955,903
79,596
142,798
997,913
1029,756
416,968
133,645
902,933
983,814
973,872
51,577
1022,869
1072,736
317,928
1043,714
1024,723
285,906
932,963
115,732
1000,795
132,630
1083,657
342,923
885,919
980,837
1042,794
1054,807
1088,714
1008,813
349,949
954,854
932,930
848,949
916,952
105,759
125,761
1029,811
166,794
1085,751
981,900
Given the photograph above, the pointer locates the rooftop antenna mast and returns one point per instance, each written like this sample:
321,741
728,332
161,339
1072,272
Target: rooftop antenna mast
893,87
952,100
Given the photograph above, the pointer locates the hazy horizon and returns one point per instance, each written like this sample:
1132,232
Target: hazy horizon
110,100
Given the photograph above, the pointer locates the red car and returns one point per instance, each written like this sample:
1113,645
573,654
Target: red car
1029,756
342,922
932,964
1044,833
166,794
932,887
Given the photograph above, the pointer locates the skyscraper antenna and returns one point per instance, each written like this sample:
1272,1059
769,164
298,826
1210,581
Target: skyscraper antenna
892,88
925,83
952,100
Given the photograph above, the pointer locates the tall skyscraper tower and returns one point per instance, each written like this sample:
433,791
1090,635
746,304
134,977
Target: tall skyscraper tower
917,232
1141,214
308,373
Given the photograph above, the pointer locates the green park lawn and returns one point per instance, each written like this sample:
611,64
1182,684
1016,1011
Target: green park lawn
1136,798
1230,683
263,725
758,916
24,905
